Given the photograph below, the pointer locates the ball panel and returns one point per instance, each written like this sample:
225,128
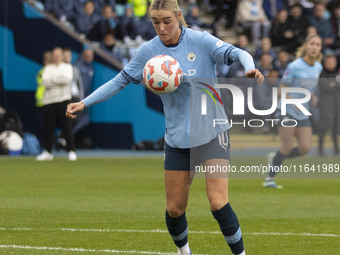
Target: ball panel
162,74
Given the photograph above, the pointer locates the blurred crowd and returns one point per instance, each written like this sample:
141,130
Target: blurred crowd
125,23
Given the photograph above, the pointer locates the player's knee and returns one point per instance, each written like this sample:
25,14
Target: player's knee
175,211
217,204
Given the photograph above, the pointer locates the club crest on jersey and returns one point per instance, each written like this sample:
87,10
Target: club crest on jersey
191,56
219,43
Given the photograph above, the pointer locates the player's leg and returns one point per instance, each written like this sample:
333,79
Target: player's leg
304,139
217,192
177,181
177,186
287,140
303,135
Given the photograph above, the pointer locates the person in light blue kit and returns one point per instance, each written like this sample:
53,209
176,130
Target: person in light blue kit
304,73
187,130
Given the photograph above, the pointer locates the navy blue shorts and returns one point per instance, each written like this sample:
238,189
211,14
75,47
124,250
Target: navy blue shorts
287,121
187,159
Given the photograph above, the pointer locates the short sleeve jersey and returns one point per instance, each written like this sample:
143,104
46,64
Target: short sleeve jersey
299,74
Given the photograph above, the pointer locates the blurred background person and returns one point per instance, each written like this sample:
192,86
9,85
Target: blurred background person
280,34
306,65
39,93
281,62
335,21
323,26
129,24
109,46
109,22
120,7
145,27
265,64
194,21
77,87
85,65
99,5
243,42
61,9
297,23
86,18
272,7
329,103
251,17
265,47
56,78
311,30
77,93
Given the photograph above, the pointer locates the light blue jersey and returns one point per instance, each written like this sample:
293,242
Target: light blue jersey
198,53
299,74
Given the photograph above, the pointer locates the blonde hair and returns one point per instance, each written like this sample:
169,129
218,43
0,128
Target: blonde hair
169,5
301,51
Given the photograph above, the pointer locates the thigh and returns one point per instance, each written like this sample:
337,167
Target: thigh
304,138
287,139
217,183
177,187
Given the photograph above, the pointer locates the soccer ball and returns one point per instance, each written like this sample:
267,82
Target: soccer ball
162,74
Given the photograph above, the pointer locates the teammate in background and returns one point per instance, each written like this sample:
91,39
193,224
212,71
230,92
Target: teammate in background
198,52
301,73
329,103
56,78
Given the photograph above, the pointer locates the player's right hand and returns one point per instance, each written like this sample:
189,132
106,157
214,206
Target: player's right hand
73,108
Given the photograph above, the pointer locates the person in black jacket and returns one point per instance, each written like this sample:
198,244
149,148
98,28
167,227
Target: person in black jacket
329,103
194,21
109,23
280,34
87,18
297,22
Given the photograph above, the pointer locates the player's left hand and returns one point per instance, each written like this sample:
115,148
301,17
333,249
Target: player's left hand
255,74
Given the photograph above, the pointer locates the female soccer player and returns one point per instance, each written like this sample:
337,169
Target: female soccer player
198,53
301,73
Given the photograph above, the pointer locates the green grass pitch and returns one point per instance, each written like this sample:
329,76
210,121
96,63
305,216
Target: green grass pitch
117,205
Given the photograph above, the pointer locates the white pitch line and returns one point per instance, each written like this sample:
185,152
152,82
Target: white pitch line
82,250
293,234
165,231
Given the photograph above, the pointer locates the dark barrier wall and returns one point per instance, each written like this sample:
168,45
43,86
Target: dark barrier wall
131,116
